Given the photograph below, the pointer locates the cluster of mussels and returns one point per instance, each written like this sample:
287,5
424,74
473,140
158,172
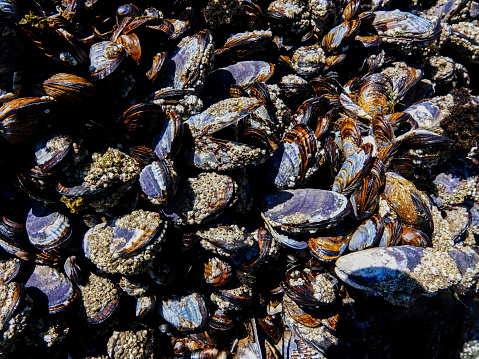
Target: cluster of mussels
247,179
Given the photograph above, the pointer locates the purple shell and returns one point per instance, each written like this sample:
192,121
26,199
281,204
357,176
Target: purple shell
367,234
159,180
301,210
47,228
185,313
166,143
51,151
48,284
105,58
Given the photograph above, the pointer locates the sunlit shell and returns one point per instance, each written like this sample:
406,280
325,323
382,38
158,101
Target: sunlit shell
186,312
159,181
367,234
51,151
100,298
69,88
105,59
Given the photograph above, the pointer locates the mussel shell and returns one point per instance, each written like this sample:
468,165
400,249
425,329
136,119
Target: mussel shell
229,238
200,198
105,58
140,120
51,151
9,268
159,180
353,170
375,95
145,305
66,87
328,248
12,295
189,61
186,312
221,320
46,227
167,143
211,154
339,35
367,234
73,270
250,260
293,157
51,288
298,314
414,237
217,272
100,298
302,210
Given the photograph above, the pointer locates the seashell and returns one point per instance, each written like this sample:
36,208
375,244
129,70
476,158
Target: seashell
131,44
414,237
246,45
383,132
167,143
365,197
412,206
326,248
392,232
9,268
12,294
353,170
221,320
100,298
352,109
51,151
398,274
11,229
293,157
143,155
138,343
238,297
186,313
159,181
189,61
188,206
351,10
51,288
242,73
220,115
339,35
375,96
403,78
367,234
73,270
250,260
64,87
125,244
46,227
22,119
304,210
210,154
298,314
332,156
307,60
106,58
140,120
228,238
217,272
145,305
310,287
350,137
156,72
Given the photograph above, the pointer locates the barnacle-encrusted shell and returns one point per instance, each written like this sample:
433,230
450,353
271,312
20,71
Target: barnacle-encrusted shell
100,298
130,344
108,245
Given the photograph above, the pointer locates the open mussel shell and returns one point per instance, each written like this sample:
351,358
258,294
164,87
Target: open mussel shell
65,87
22,120
189,61
125,244
200,198
51,151
51,288
105,58
398,273
100,298
211,154
303,210
46,227
186,313
159,180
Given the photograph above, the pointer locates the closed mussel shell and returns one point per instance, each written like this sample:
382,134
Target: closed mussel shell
9,268
375,94
159,180
239,296
12,295
415,237
293,157
65,87
231,238
200,198
310,287
327,248
353,170
145,305
302,210
339,36
131,44
51,288
167,143
186,312
100,298
217,272
251,259
298,314
50,152
367,234
22,120
73,270
221,155
46,227
105,58
140,120
392,232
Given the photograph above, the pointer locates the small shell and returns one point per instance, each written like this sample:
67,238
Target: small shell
65,87
100,298
145,305
328,248
367,234
9,268
185,313
105,58
50,152
339,35
167,143
217,272
159,181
